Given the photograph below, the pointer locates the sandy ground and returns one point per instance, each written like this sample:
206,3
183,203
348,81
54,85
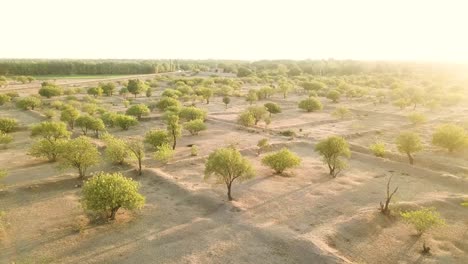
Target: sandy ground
304,217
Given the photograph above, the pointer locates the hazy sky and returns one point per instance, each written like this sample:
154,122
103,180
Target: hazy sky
235,29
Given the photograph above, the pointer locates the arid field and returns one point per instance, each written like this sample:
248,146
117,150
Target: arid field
303,215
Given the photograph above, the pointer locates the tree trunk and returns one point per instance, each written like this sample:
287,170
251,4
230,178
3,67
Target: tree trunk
175,142
139,166
81,173
229,192
411,160
113,212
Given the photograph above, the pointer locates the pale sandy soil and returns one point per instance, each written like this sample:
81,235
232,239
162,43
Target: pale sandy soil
304,217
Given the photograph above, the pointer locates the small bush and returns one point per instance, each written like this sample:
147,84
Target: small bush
281,160
423,219
310,105
417,118
194,150
378,149
7,125
195,126
164,153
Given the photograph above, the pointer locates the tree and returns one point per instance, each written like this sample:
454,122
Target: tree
206,93
157,138
281,160
332,149
108,88
262,144
173,128
402,103
149,92
192,113
310,104
285,87
409,143
109,192
51,130
226,101
195,126
7,124
85,122
378,149
136,87
384,207
69,114
95,91
258,112
29,102
243,72
125,121
164,153
49,149
273,108
80,154
334,95
251,96
423,220
138,110
172,93
313,86
166,102
228,165
246,119
451,137
137,150
50,91
417,118
116,149
341,113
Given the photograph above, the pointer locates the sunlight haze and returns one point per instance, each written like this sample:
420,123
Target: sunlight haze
248,30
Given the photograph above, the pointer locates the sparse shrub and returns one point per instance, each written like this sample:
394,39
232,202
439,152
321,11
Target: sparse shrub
192,113
50,113
164,153
273,108
50,91
334,95
69,114
384,207
5,139
137,151
287,133
49,149
409,143
378,149
29,102
8,125
341,113
194,150
109,192
331,149
281,160
246,119
125,121
450,136
226,101
166,102
310,105
262,145
95,91
157,138
228,165
417,118
4,98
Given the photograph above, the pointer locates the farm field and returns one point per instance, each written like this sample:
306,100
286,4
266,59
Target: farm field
303,215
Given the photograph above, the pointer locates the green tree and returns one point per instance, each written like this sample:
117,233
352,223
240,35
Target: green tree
246,119
109,192
50,130
332,149
313,86
285,87
195,126
29,102
226,101
228,165
108,88
137,151
258,112
49,149
310,104
273,108
7,124
136,87
192,113
251,97
80,154
378,149
409,143
281,160
173,128
157,138
451,137
95,91
166,102
116,149
138,110
206,93
85,122
149,92
69,114
125,121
